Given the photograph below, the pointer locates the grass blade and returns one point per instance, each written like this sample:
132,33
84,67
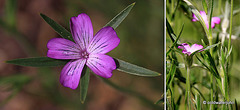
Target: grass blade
171,33
205,7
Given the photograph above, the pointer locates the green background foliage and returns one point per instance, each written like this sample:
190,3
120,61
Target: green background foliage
179,16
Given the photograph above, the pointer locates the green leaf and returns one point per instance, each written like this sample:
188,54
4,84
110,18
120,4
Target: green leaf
178,102
134,69
175,10
120,17
46,62
205,7
203,63
211,46
210,18
38,62
67,35
175,42
84,82
210,65
171,74
198,103
173,105
213,65
57,27
199,92
236,105
171,33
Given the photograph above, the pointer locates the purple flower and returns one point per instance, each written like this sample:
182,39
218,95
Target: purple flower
189,50
87,49
215,20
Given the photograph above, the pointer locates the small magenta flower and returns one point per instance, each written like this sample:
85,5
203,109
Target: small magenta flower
189,50
87,49
215,20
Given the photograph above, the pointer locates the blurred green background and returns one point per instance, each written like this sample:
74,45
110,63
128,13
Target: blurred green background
23,33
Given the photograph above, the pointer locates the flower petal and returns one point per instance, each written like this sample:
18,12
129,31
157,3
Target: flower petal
203,14
71,73
215,20
184,46
194,17
101,64
189,50
60,48
195,47
186,52
104,41
82,30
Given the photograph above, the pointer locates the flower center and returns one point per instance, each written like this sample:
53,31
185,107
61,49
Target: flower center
84,55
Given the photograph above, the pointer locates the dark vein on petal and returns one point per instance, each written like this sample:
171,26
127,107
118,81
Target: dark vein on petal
101,48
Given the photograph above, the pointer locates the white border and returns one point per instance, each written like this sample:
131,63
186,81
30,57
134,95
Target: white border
164,38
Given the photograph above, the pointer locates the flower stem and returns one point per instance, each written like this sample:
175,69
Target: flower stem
188,91
211,52
229,47
211,92
211,75
230,30
219,6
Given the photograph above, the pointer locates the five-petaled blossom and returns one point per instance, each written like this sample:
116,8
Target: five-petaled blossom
215,20
87,49
189,50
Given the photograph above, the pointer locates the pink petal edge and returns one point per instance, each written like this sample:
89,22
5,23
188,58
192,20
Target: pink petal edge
104,41
195,47
82,30
101,64
60,48
71,73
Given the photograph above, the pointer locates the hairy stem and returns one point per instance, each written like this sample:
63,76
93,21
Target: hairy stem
230,30
188,91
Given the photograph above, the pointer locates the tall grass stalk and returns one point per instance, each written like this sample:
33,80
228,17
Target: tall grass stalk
211,51
229,50
230,30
